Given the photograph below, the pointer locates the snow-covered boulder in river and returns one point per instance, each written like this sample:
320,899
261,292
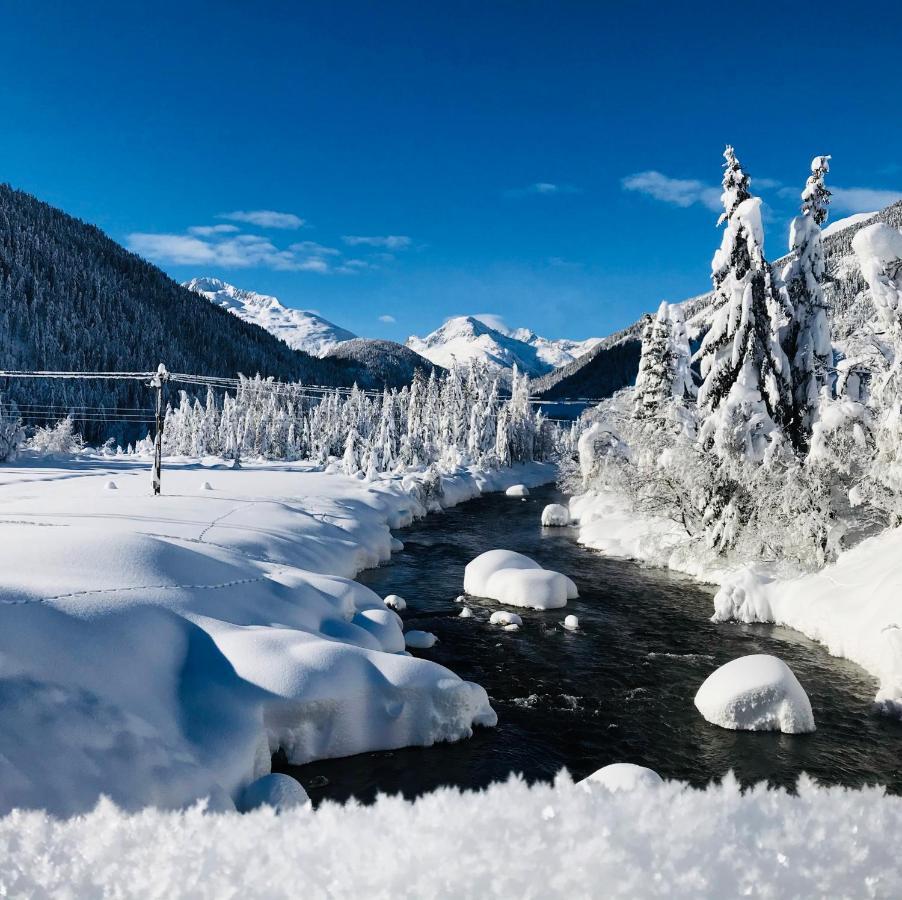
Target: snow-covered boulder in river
623,777
555,515
517,490
281,792
517,580
420,640
503,617
755,693
393,601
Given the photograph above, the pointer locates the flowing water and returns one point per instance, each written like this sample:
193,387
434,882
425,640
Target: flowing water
620,689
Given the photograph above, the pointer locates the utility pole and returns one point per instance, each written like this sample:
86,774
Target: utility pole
158,381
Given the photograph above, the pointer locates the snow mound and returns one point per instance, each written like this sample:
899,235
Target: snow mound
393,601
555,515
396,545
111,486
623,777
512,627
206,486
517,490
571,623
420,640
505,618
281,792
466,613
755,693
517,580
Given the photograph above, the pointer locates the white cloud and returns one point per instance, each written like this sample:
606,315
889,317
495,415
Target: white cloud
264,218
544,189
387,319
855,200
676,191
208,230
313,248
388,241
493,321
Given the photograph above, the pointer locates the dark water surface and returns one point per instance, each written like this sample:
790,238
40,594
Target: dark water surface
618,690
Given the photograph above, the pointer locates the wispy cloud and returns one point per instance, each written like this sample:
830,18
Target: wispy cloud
264,218
543,189
682,192
313,248
388,241
856,200
389,320
208,230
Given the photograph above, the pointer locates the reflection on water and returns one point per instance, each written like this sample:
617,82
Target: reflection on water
618,690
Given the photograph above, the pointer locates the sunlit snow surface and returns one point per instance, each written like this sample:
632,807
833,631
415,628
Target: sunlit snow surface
509,841
160,649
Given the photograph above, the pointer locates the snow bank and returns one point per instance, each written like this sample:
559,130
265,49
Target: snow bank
623,777
517,490
517,580
663,841
160,649
555,514
851,606
755,693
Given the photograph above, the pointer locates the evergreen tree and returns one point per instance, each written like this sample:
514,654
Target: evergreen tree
745,399
808,344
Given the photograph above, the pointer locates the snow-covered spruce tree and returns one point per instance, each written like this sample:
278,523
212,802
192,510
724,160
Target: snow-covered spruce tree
745,400
12,435
808,346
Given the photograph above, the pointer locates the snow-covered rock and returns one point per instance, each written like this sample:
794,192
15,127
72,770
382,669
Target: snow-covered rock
555,515
512,627
281,792
111,486
393,601
517,490
505,618
517,580
300,329
420,640
571,623
623,777
755,693
465,613
396,545
206,486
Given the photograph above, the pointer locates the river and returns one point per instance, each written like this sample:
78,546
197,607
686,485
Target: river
620,689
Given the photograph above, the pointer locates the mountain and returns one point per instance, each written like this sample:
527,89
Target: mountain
299,329
463,338
385,362
612,364
72,299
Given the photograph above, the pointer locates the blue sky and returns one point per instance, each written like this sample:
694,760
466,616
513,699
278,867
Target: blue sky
550,163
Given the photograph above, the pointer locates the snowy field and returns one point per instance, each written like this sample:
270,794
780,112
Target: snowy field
158,650
851,606
509,841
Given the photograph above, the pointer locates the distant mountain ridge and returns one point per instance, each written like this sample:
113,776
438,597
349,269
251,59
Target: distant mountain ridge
464,338
300,329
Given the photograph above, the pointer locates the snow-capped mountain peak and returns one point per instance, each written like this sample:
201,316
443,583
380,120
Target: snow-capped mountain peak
463,338
300,329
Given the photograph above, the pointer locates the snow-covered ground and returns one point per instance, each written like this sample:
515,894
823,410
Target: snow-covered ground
853,606
159,649
509,841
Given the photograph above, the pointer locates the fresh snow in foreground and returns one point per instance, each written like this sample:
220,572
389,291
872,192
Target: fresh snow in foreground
755,693
517,580
508,841
160,649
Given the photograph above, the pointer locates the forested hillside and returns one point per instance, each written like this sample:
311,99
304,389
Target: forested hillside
73,299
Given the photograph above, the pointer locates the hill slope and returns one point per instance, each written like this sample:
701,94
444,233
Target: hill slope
300,329
73,299
384,362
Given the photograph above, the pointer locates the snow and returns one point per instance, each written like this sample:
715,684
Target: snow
465,613
420,640
300,329
846,222
623,777
281,792
505,618
852,606
511,840
393,601
555,514
571,623
160,649
755,693
517,580
517,490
